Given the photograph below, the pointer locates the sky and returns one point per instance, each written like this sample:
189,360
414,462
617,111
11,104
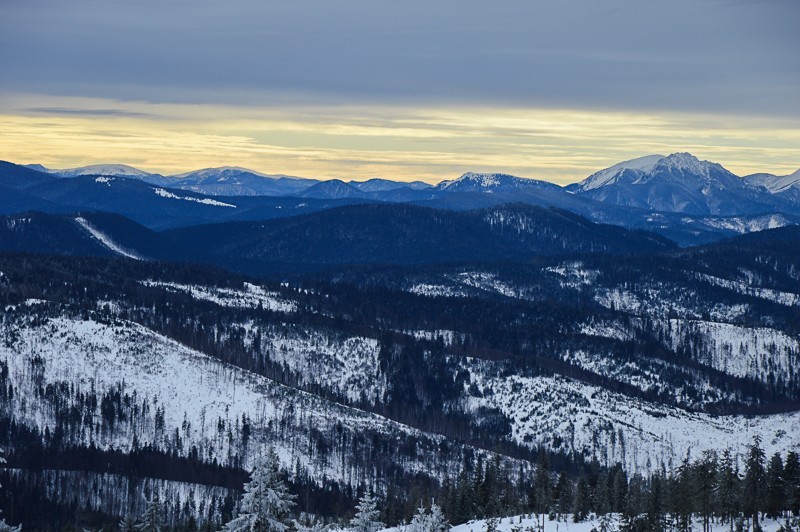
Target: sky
418,89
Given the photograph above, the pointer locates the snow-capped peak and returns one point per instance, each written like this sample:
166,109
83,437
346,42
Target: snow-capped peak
221,171
607,176
485,181
38,168
102,169
774,183
688,164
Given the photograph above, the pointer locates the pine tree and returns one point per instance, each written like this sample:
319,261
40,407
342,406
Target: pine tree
562,495
5,527
266,502
791,473
151,520
683,496
705,473
367,514
755,482
654,513
727,489
310,525
128,524
583,503
425,521
543,486
776,489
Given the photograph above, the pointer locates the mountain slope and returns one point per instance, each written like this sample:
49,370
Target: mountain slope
19,177
332,189
383,185
235,181
774,183
85,234
677,183
374,234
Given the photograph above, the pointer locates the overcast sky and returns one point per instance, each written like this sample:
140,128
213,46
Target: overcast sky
286,85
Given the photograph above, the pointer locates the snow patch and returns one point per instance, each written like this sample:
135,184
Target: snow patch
106,240
251,296
206,201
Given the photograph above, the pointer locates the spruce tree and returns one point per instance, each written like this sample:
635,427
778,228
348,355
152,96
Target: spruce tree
754,484
151,520
776,488
562,495
367,514
705,473
727,489
683,496
654,505
266,502
791,473
127,524
5,527
429,521
543,486
583,504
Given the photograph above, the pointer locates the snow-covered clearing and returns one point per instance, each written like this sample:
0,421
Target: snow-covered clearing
106,240
206,201
203,399
568,415
250,296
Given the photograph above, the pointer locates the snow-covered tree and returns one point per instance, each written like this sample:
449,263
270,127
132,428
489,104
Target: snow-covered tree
266,502
151,520
127,524
310,524
5,527
429,521
367,513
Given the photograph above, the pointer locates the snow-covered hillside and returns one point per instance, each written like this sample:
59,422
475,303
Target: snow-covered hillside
177,398
567,415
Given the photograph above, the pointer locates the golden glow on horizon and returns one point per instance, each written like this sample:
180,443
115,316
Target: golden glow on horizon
403,143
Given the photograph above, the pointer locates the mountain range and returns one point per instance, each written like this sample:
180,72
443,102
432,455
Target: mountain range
679,183
678,196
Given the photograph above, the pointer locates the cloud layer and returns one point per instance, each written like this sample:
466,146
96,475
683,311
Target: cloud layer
548,89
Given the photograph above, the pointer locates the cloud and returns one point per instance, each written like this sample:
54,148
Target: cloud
683,55
83,112
401,142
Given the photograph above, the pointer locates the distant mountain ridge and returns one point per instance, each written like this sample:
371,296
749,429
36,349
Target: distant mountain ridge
678,196
677,183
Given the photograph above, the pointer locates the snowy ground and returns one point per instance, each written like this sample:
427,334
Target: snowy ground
198,394
250,296
566,415
524,523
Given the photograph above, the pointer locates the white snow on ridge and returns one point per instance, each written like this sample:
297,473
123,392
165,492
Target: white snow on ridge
348,366
206,201
102,169
788,299
744,224
436,290
660,301
249,297
487,282
447,336
741,351
609,175
574,274
106,240
566,415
